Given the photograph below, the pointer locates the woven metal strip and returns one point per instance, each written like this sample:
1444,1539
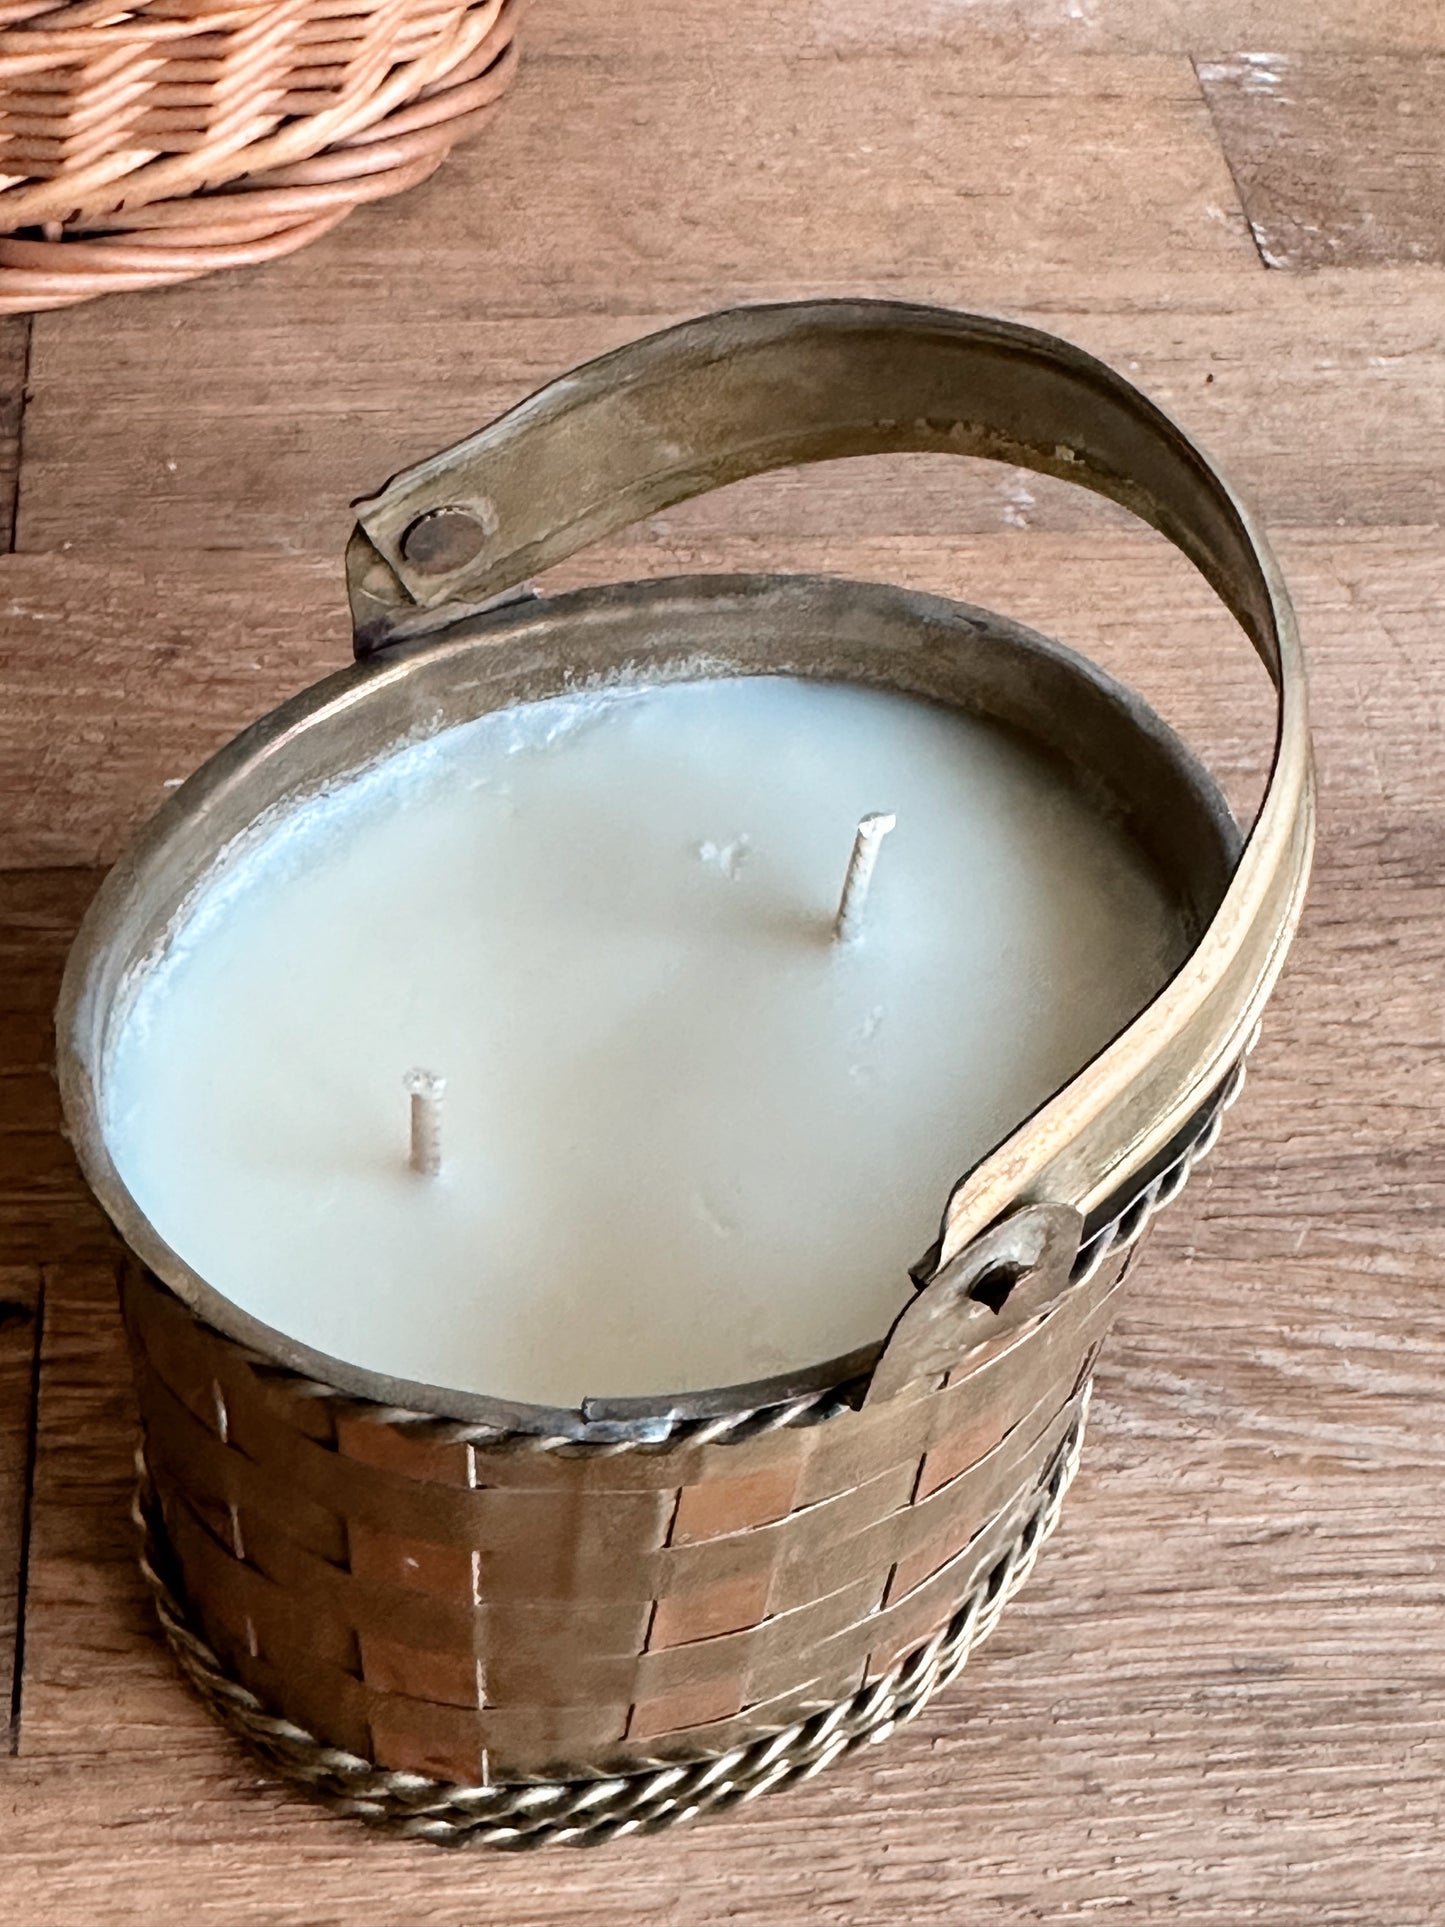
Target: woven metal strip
589,1809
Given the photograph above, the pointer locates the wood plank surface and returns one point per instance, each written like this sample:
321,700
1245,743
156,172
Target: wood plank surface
156,697
20,1298
14,362
90,1636
1339,159
1222,1697
896,173
46,1215
208,439
833,28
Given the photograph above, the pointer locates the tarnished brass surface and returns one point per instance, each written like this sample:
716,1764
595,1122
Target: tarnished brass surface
393,1595
858,632
418,1598
444,1584
590,1808
736,393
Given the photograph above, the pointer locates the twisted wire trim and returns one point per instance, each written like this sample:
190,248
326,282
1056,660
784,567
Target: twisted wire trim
1130,1225
810,1408
592,1808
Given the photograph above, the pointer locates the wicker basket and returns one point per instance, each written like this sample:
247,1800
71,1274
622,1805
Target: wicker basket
176,137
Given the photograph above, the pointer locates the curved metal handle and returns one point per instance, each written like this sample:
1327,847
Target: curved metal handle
751,389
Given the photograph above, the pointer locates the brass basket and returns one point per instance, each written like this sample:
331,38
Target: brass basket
498,1624
148,144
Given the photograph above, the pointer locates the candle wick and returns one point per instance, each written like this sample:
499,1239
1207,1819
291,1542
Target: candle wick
848,923
425,1089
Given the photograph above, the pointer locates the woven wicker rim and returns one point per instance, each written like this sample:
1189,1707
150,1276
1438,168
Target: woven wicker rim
589,1808
314,112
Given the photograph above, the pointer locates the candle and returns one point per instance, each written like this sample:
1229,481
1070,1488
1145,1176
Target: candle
737,974
690,1138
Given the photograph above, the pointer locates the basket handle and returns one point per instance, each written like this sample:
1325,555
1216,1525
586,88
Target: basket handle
751,389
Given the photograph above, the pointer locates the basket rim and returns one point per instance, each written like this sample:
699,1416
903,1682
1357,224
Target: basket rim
141,25
802,1395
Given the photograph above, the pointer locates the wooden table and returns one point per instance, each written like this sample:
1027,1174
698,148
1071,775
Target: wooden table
1220,1700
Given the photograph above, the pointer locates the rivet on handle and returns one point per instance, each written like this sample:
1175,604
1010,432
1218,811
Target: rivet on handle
446,539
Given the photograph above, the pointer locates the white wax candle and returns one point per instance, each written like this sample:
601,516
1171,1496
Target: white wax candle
689,1138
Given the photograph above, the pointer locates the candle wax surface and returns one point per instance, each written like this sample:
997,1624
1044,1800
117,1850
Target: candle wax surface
688,1138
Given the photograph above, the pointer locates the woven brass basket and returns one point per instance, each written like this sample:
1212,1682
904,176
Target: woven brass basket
489,1623
145,145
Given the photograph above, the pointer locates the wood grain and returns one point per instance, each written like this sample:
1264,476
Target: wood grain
196,433
85,1600
208,440
14,363
19,1325
46,1214
1220,1700
83,772
1339,159
856,28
